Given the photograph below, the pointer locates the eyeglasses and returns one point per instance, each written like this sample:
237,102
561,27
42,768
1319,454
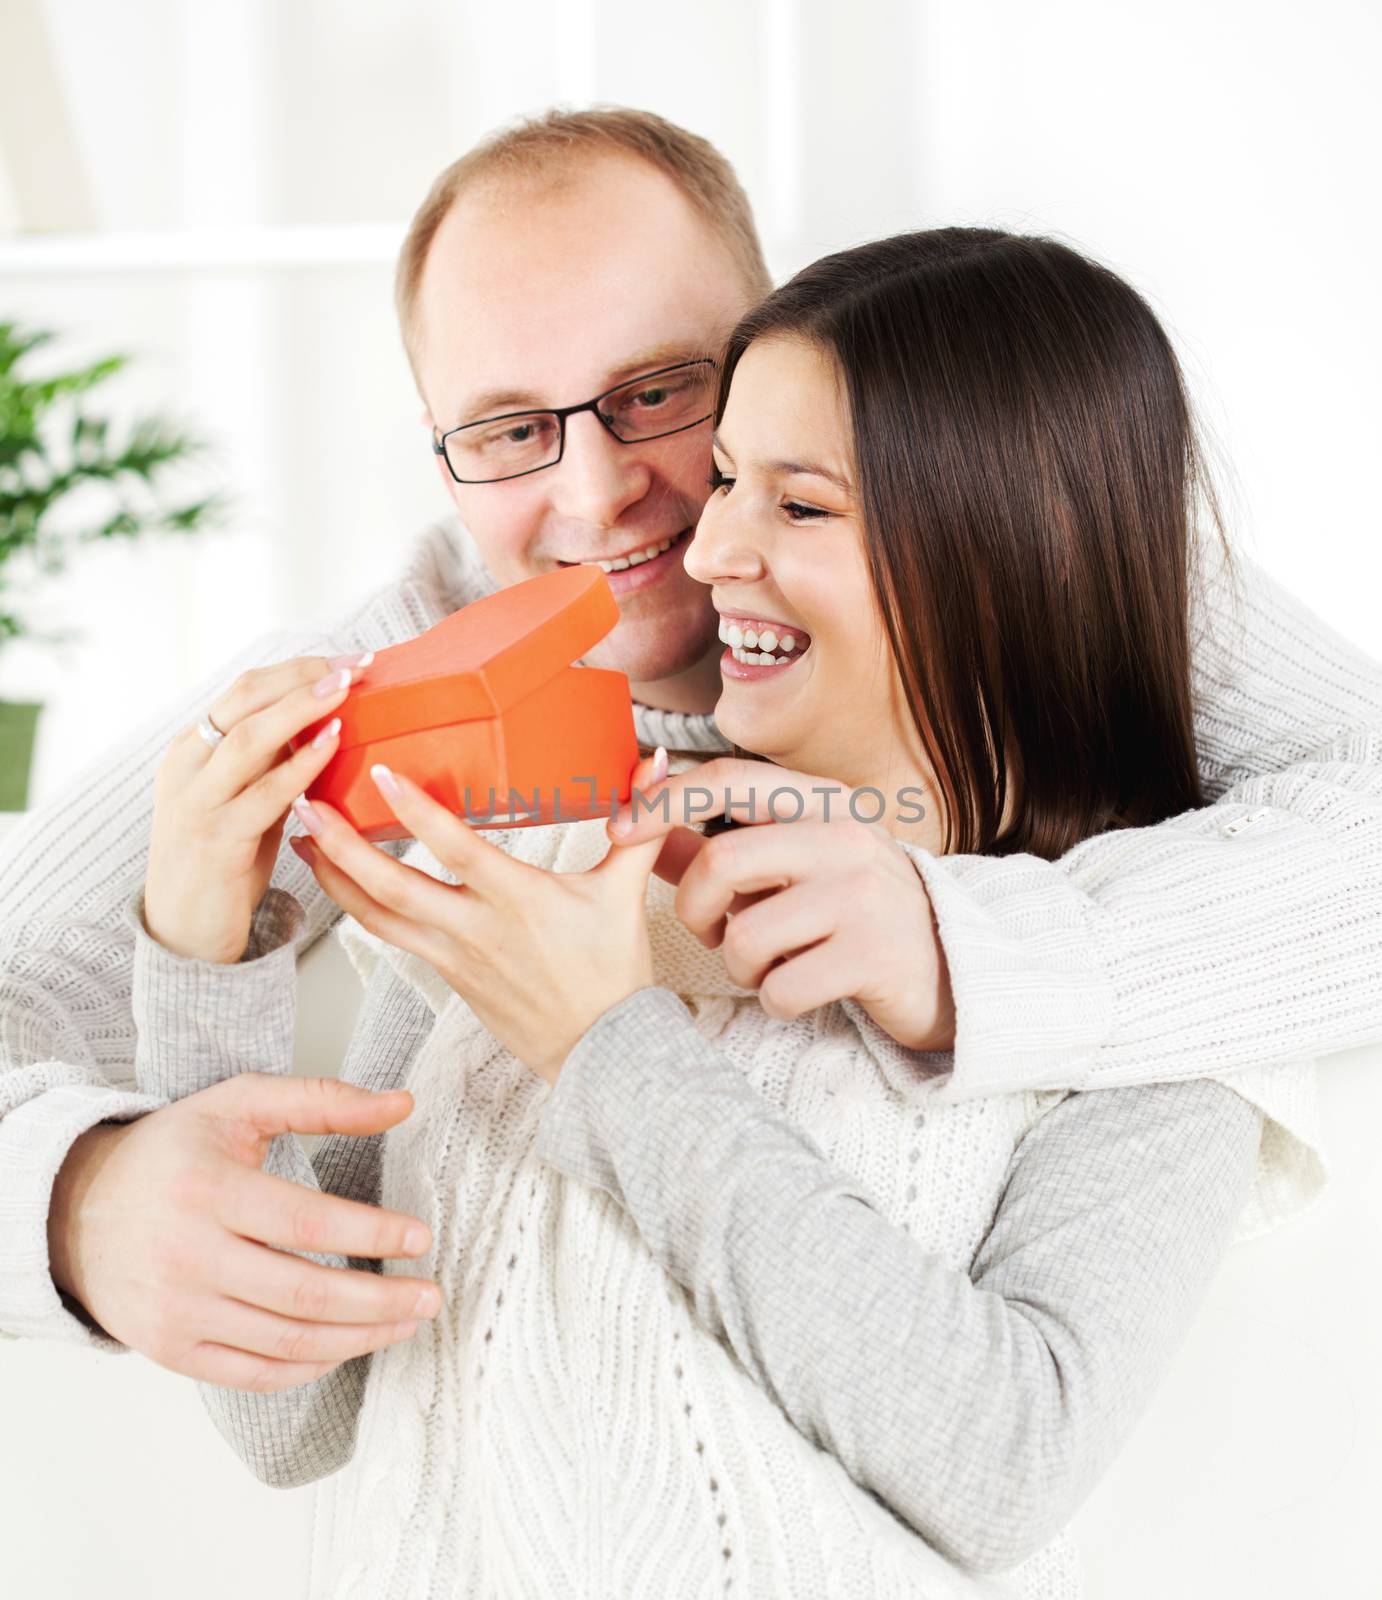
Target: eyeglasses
519,442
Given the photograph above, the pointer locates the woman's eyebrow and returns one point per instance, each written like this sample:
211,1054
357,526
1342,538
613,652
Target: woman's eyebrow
787,468
811,470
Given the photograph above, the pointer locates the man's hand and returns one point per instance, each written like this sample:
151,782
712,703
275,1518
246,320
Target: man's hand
808,911
162,1227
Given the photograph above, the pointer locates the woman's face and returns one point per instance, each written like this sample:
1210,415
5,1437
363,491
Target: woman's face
781,544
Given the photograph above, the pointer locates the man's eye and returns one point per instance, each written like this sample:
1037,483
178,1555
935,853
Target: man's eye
510,436
651,397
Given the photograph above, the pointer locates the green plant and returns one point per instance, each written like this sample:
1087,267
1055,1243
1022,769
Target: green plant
54,453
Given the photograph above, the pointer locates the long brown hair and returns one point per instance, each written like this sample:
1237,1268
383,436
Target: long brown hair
1029,475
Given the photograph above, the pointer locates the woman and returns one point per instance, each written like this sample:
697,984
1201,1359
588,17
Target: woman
743,1304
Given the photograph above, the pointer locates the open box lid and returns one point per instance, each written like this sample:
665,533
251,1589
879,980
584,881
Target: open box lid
482,659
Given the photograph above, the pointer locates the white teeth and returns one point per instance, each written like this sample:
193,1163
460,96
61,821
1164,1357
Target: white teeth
757,649
758,658
636,558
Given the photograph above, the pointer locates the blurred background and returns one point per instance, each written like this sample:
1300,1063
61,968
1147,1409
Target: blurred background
217,192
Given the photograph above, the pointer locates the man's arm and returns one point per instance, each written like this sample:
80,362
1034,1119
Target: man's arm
67,1037
201,1022
1247,933
981,1406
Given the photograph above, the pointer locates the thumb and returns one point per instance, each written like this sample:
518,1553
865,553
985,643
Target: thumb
636,861
273,1105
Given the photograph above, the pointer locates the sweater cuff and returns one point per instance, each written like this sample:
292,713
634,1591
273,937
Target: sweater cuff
1034,1002
199,1022
35,1139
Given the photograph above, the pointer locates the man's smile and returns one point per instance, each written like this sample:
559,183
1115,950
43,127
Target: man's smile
640,566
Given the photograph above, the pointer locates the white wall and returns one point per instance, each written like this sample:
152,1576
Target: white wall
1221,155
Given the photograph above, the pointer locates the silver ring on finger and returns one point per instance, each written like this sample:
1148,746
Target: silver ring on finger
209,731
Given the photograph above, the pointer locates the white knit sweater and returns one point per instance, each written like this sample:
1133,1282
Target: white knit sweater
1141,956
1154,954
567,1426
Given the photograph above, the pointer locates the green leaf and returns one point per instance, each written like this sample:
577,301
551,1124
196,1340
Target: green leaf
51,446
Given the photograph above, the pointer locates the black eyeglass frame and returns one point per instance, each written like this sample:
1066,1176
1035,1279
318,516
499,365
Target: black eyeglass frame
561,413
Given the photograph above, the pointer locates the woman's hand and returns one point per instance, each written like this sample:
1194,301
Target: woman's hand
219,814
811,910
538,955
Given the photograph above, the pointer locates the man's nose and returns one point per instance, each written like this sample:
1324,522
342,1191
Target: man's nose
597,479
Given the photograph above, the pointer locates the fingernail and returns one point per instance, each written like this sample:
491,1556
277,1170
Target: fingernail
352,661
621,824
659,764
415,1240
328,733
332,683
386,780
306,811
428,1303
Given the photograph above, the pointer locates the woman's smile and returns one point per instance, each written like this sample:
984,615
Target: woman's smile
757,648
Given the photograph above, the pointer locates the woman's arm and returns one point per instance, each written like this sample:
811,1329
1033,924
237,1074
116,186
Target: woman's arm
200,1022
980,1407
1246,933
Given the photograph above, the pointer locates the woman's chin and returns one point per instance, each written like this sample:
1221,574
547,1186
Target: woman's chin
761,709
754,733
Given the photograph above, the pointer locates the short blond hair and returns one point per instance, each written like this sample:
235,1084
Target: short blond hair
534,146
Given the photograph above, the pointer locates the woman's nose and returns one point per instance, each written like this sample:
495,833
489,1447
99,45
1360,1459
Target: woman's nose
598,478
723,545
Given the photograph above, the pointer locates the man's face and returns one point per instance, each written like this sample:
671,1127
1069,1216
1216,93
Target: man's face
535,297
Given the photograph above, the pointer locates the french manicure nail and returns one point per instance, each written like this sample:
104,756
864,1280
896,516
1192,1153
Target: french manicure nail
328,733
352,661
659,764
386,781
332,683
415,1240
305,810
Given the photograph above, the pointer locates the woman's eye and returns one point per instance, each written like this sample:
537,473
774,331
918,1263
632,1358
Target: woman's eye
717,479
801,513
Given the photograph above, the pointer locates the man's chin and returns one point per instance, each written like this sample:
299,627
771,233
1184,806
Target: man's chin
650,661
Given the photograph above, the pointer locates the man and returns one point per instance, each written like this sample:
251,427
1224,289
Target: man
547,268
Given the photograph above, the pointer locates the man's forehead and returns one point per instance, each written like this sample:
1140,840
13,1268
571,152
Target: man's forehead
545,299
